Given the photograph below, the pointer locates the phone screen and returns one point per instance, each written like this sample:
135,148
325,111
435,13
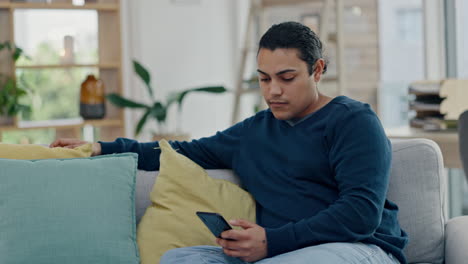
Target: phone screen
215,223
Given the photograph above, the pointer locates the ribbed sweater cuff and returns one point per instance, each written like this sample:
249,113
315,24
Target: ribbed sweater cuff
280,240
109,147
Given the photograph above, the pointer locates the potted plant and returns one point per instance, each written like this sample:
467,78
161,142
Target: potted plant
10,92
158,110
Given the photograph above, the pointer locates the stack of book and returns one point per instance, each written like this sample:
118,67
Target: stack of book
425,101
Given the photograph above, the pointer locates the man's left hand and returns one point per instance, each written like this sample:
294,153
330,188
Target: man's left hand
248,244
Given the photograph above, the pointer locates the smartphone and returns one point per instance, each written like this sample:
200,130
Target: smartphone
215,223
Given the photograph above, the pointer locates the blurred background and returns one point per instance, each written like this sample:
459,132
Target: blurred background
60,59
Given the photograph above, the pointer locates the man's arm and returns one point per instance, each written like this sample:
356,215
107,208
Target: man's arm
360,155
215,152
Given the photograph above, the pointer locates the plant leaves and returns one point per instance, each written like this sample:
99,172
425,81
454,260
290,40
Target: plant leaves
10,93
142,122
172,98
7,45
24,108
17,53
210,89
25,111
119,101
159,112
12,108
144,75
20,92
9,86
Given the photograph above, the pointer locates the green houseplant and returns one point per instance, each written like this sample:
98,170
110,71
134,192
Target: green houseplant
156,110
10,92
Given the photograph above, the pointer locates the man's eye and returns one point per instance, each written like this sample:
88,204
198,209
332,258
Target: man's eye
264,79
288,79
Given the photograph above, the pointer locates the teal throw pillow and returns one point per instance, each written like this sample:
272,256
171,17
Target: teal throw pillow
70,211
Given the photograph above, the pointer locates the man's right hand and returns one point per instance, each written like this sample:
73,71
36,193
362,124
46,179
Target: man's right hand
73,143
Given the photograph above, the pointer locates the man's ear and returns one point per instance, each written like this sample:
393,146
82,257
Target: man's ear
318,69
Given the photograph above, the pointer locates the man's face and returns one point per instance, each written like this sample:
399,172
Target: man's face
285,82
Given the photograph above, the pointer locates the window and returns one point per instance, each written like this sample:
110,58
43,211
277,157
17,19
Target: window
55,38
462,38
409,25
55,92
29,136
401,57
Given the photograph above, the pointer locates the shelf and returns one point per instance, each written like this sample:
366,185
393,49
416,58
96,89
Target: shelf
62,66
272,3
99,7
107,66
63,123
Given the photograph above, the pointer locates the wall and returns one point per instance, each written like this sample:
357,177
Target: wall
188,43
185,44
360,39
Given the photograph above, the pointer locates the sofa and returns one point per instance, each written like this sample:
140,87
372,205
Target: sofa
417,185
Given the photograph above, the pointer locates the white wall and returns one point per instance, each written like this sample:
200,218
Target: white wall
184,43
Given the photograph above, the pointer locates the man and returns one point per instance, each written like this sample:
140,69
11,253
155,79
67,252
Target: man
318,168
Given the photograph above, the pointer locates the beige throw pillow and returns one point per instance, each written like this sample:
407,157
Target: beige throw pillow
30,151
181,189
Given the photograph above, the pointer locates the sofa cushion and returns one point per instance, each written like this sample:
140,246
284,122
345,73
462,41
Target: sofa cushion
68,210
27,151
145,181
181,189
417,186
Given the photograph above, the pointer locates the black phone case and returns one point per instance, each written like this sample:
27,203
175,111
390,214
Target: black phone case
215,223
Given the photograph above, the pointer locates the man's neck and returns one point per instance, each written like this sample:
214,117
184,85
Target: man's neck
319,102
322,100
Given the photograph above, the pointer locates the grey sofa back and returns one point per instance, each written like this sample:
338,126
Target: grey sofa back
417,186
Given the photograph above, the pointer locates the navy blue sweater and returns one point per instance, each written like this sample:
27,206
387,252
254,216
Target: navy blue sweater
323,179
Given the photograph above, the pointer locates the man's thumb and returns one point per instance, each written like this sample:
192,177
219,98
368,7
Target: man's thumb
242,223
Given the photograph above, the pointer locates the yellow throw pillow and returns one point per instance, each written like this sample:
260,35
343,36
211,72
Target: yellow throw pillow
16,151
181,189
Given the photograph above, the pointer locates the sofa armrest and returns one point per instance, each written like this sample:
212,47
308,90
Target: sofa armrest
456,240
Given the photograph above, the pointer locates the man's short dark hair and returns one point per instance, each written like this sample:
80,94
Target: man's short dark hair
293,35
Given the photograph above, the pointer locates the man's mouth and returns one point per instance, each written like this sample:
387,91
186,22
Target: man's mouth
275,103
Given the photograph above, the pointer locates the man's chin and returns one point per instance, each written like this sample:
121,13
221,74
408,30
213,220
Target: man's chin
280,115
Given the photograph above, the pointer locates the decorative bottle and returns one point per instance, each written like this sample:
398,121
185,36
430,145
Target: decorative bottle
92,102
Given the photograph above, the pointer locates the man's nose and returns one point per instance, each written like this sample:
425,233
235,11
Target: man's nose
275,88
